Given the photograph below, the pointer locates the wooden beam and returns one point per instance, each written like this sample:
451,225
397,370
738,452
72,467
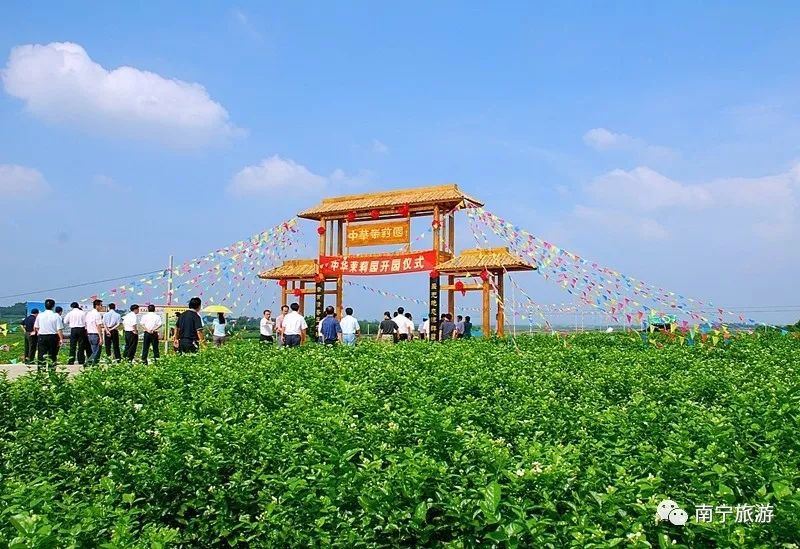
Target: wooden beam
486,310
501,308
466,288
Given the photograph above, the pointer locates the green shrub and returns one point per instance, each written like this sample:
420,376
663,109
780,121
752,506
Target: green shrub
529,443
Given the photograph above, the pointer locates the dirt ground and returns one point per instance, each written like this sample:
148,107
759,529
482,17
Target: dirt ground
16,370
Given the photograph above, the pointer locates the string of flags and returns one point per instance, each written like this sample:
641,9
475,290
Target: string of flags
624,298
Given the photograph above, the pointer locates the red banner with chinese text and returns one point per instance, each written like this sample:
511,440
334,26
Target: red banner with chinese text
379,264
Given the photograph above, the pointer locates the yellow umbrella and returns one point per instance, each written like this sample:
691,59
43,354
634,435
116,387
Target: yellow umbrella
217,309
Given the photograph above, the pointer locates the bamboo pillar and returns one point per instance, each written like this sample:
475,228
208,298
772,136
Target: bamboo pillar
501,308
487,332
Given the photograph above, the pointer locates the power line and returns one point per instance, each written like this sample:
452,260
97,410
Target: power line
79,285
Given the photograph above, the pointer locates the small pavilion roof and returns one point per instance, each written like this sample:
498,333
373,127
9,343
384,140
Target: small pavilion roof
420,199
292,269
478,259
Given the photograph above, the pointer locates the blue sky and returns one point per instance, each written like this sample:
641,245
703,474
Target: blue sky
658,140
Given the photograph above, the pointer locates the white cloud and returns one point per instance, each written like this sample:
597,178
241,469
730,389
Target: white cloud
766,207
378,147
275,174
645,189
602,139
617,222
60,83
283,174
20,182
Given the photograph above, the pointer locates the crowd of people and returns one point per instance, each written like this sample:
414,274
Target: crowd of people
94,330
91,332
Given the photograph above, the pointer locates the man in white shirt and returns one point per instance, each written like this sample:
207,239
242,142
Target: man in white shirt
111,322
151,322
423,328
129,322
78,342
405,328
294,327
49,329
266,326
279,323
350,327
95,330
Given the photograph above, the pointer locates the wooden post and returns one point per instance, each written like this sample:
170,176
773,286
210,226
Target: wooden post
501,306
340,278
322,239
451,296
451,238
302,297
437,239
339,237
486,309
339,296
283,296
451,228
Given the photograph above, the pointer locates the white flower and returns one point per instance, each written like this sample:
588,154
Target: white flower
520,472
536,467
393,426
137,407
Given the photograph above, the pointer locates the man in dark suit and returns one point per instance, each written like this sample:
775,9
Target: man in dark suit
30,336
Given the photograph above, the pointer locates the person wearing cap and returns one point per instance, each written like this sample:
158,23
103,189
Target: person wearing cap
129,324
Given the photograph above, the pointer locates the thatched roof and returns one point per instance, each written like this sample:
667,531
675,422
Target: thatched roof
421,200
478,259
292,269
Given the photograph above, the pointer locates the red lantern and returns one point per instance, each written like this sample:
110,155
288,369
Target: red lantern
297,292
375,214
319,278
436,224
484,275
434,274
351,216
320,230
282,283
404,210
460,287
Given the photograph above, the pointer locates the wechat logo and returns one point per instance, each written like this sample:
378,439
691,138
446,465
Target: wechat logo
669,510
